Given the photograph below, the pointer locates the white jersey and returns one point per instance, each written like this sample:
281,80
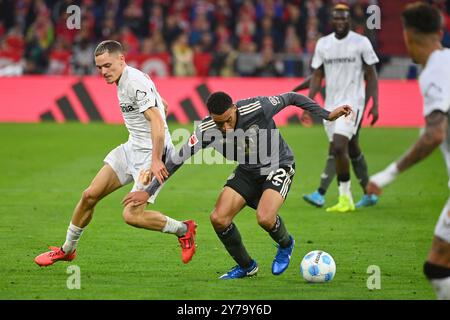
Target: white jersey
136,93
343,64
434,84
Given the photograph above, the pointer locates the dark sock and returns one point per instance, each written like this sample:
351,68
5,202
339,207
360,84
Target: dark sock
280,234
360,168
231,239
327,175
433,271
343,177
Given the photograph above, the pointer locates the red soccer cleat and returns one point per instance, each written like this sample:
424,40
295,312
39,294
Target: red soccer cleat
187,241
48,258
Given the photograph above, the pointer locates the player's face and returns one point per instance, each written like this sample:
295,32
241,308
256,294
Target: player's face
110,66
341,22
227,120
410,45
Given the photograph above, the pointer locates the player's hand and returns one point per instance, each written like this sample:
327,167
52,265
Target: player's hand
159,170
306,119
373,188
136,198
344,110
374,113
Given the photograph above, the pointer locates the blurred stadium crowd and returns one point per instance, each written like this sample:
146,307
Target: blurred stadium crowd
171,37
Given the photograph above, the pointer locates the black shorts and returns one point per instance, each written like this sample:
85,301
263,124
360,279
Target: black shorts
252,185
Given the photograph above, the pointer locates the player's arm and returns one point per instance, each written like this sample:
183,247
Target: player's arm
158,169
304,85
311,106
166,106
173,163
433,136
316,81
370,74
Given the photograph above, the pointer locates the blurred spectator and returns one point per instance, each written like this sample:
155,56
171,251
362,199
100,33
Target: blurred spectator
59,59
216,37
223,63
172,29
200,27
267,29
246,26
183,57
83,52
133,16
129,40
247,60
269,65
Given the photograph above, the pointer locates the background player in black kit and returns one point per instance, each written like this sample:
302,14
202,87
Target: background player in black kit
245,132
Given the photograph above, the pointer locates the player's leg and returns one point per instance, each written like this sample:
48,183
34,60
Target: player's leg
359,165
138,217
437,266
317,198
237,192
105,182
275,190
340,149
228,205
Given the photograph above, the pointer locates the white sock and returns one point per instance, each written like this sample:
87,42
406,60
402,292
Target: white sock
73,235
176,227
442,288
344,189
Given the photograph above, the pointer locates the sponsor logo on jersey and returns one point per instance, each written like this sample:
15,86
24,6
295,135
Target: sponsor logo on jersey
126,107
140,95
433,94
141,98
340,60
275,100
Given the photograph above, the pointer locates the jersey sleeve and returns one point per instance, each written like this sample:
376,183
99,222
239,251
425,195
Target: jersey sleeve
368,54
194,144
272,105
435,92
142,95
317,59
308,104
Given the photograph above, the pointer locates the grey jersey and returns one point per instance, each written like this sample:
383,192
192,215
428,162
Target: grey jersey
256,144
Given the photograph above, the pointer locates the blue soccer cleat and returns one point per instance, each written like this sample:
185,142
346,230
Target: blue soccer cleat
367,200
239,272
315,198
282,258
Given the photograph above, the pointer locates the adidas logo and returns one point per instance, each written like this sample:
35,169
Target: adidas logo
67,110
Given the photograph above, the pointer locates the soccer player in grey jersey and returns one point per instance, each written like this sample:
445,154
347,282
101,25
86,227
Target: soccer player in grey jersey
261,180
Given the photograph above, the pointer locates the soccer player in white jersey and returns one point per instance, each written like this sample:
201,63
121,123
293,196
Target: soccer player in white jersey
344,58
422,33
149,143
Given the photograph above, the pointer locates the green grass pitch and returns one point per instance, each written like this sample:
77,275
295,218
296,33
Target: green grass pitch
45,167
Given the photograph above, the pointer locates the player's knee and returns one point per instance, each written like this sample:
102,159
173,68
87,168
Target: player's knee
219,220
131,216
90,197
265,219
340,149
354,151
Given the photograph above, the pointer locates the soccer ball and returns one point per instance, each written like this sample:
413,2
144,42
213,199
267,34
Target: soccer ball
318,266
